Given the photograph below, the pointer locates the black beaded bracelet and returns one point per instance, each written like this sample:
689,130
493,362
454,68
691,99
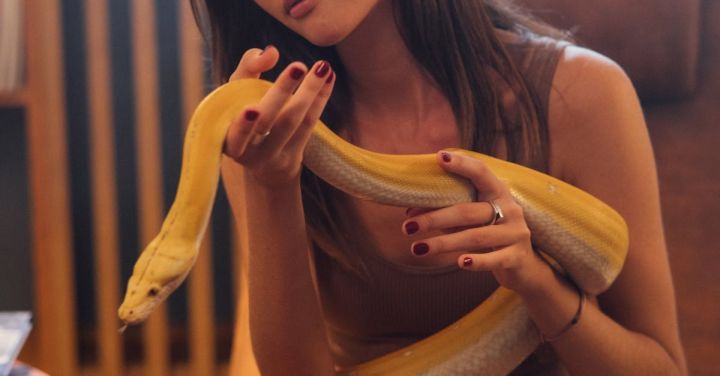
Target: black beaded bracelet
569,325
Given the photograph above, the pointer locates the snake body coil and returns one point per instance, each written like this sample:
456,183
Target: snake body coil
585,236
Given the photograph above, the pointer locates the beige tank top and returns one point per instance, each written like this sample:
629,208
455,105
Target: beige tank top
394,305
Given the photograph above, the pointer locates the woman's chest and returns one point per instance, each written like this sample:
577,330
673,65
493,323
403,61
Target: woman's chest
381,232
381,225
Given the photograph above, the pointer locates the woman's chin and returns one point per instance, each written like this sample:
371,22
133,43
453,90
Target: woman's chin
325,38
325,42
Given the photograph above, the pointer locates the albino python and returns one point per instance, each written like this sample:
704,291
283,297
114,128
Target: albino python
585,236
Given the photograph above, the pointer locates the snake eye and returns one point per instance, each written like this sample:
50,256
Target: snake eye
153,292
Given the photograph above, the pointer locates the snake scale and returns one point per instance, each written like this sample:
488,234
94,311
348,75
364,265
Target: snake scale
585,236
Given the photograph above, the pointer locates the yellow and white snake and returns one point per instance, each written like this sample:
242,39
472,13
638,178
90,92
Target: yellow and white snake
585,236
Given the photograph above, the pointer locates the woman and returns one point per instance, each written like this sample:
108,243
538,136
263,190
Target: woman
335,281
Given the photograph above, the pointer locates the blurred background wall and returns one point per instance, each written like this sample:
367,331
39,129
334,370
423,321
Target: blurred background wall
91,155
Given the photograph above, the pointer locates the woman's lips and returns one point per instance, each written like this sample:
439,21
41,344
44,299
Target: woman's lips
299,8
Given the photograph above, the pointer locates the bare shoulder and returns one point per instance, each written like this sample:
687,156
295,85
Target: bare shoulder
595,116
585,74
599,142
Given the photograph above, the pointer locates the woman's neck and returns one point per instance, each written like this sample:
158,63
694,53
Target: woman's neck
386,82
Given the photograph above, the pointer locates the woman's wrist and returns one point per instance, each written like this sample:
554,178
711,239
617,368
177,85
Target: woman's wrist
274,204
554,303
538,279
258,186
550,337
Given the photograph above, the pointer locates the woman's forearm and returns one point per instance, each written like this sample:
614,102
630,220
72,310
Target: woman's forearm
596,345
286,322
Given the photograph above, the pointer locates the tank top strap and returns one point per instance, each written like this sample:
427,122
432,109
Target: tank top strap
537,59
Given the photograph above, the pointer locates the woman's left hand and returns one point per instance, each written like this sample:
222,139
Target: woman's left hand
484,241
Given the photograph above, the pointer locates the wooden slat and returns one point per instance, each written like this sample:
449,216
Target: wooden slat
149,167
15,98
201,325
191,65
104,195
55,321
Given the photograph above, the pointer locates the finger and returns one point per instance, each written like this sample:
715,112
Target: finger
487,184
239,132
505,258
255,62
274,99
477,239
298,105
459,215
411,212
301,136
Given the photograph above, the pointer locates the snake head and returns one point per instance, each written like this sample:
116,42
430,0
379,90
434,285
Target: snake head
142,297
154,278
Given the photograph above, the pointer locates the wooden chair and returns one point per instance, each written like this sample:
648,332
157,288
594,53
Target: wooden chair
53,346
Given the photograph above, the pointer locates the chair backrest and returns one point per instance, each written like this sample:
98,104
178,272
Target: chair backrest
133,72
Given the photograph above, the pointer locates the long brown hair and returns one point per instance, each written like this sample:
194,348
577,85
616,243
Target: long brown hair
454,41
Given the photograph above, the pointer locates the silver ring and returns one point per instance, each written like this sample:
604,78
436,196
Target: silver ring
259,137
497,213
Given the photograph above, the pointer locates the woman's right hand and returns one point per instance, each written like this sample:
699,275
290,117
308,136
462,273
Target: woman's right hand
269,137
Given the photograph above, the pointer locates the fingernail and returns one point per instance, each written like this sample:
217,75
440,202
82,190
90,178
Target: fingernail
446,157
330,78
420,249
322,69
296,73
251,115
411,227
467,262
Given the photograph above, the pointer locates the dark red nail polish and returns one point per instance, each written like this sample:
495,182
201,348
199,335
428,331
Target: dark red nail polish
296,73
420,249
251,115
467,261
322,69
446,157
411,227
330,77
